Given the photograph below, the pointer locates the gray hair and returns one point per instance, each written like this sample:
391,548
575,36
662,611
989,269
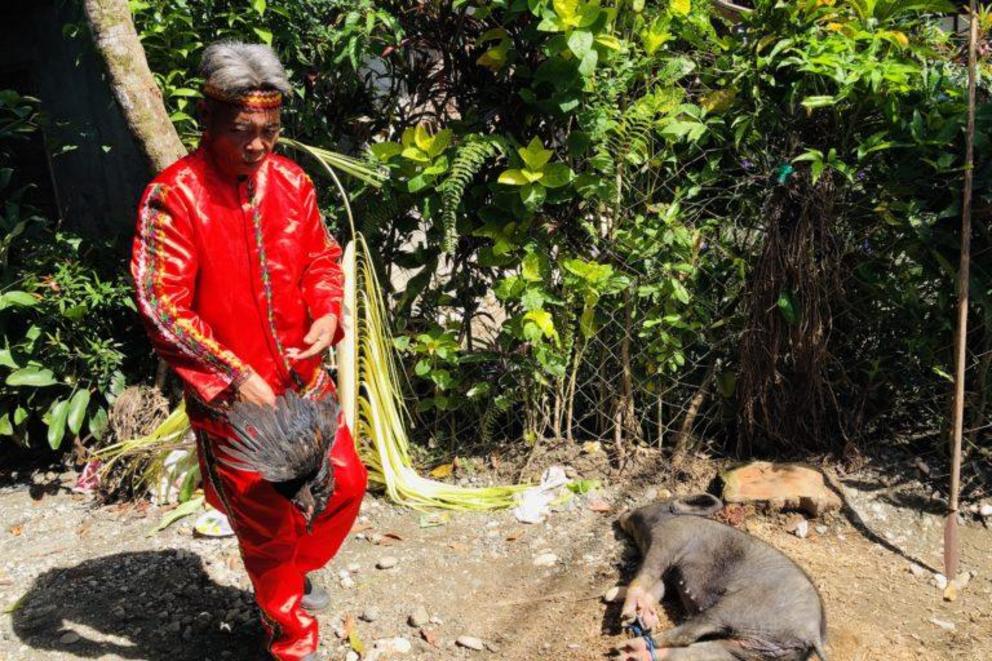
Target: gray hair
234,67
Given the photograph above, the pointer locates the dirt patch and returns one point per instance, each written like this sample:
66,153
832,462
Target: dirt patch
88,581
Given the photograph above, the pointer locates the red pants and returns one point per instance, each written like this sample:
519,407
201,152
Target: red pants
275,547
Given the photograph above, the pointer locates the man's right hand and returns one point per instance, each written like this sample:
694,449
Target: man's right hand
256,391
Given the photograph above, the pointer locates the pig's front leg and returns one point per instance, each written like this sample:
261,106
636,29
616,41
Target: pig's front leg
644,594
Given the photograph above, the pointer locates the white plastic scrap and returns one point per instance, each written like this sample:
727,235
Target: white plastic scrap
534,503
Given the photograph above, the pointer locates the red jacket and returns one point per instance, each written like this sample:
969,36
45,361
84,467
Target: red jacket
229,274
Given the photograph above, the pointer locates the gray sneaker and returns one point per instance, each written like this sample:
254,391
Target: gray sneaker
315,598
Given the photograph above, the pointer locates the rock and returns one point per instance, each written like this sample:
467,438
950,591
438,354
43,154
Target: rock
821,529
387,563
370,614
943,624
352,655
347,582
917,571
354,568
546,560
922,466
651,494
470,643
386,646
616,593
69,637
798,526
781,487
174,627
419,617
985,510
940,581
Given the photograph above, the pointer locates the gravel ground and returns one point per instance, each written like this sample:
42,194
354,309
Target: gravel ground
79,580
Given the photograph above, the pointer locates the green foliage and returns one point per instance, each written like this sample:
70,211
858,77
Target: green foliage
65,311
645,188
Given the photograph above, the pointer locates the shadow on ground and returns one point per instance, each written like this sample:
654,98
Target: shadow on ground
156,605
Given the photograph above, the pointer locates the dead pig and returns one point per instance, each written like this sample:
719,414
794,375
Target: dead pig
746,600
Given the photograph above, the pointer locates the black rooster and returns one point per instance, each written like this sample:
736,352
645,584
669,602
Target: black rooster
288,445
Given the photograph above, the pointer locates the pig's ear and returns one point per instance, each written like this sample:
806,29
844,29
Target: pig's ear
702,504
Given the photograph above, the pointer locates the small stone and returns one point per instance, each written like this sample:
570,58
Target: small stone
174,627
470,642
616,593
822,529
419,617
347,582
69,637
922,466
369,615
798,526
985,510
352,655
386,646
940,581
961,580
387,563
917,571
354,568
546,560
943,624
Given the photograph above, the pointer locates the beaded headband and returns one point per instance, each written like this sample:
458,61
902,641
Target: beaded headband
250,101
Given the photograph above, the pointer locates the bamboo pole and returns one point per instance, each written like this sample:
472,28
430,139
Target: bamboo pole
951,545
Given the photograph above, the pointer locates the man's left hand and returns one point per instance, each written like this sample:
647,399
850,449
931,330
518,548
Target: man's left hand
319,338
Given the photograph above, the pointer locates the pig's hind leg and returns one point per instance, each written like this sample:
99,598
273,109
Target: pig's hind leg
693,629
710,650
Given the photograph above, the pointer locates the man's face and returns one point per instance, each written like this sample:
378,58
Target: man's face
239,140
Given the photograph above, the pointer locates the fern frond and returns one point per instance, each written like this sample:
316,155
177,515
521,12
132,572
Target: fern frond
469,158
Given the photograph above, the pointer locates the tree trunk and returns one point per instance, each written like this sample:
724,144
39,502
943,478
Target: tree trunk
131,80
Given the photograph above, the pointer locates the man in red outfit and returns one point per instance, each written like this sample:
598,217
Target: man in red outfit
238,282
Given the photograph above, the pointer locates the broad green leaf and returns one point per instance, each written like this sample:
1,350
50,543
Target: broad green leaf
7,359
588,64
556,175
77,410
533,195
532,176
655,36
386,150
543,320
98,423
264,35
811,102
183,510
579,42
19,298
20,415
583,486
534,155
259,6
787,308
422,138
513,177
531,268
609,41
31,376
495,58
6,429
56,423
416,154
718,100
